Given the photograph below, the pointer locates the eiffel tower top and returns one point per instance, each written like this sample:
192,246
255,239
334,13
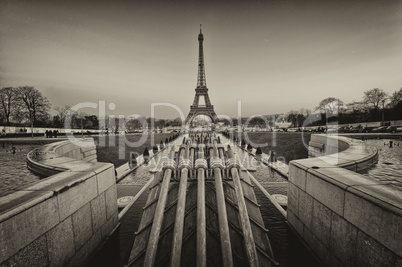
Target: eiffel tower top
201,81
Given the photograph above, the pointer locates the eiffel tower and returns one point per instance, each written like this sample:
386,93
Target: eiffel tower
201,90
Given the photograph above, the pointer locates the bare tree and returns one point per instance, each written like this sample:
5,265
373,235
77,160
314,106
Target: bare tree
355,106
395,98
305,111
296,117
330,105
1,115
62,113
374,97
35,103
19,113
8,99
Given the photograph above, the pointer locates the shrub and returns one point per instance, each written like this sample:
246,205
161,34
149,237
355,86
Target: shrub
161,145
146,152
133,158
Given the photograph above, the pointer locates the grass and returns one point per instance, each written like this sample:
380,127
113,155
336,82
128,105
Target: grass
285,144
111,150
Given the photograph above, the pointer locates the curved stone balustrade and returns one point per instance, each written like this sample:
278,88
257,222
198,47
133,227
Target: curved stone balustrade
346,218
342,151
62,156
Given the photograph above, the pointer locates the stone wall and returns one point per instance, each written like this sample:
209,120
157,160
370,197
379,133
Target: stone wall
76,150
347,219
320,145
342,152
61,156
62,219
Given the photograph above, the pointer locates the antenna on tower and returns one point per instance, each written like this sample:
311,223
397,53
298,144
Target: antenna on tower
200,28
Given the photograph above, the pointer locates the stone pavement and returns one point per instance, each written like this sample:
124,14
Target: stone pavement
30,140
125,169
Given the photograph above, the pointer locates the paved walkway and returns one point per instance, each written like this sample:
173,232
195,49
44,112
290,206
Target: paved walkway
124,170
17,140
280,167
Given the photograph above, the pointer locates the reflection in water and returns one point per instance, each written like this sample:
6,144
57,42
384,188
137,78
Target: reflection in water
286,246
388,168
13,168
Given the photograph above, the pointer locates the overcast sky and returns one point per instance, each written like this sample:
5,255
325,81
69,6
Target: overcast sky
274,56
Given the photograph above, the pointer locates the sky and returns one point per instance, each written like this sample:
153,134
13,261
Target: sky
273,56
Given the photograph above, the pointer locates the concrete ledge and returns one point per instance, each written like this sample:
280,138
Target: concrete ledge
61,219
62,156
334,206
343,152
316,145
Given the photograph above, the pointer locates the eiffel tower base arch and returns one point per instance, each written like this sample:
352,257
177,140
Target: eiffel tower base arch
194,112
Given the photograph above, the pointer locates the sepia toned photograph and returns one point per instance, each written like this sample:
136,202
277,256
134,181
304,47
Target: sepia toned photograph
200,133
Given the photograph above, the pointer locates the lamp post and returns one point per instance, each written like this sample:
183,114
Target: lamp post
81,116
383,112
32,131
82,130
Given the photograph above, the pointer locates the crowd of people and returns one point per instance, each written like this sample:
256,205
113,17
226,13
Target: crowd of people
51,134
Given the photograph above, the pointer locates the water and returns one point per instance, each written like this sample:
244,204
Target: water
131,220
117,249
388,168
141,175
287,248
13,168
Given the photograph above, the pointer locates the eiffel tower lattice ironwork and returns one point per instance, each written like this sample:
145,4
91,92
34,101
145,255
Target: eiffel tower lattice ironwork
201,90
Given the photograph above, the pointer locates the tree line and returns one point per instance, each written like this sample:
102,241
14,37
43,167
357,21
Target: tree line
376,105
23,104
26,106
